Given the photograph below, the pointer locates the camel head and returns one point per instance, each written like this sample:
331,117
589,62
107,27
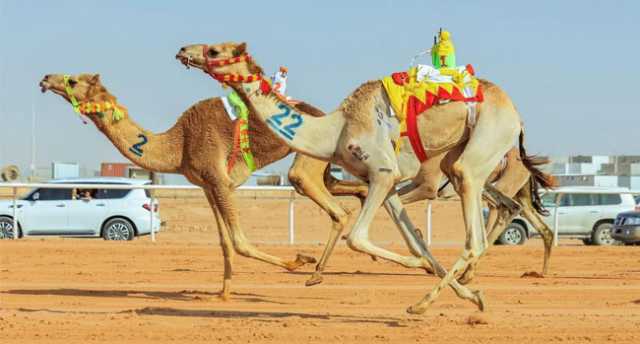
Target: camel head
83,86
83,91
219,59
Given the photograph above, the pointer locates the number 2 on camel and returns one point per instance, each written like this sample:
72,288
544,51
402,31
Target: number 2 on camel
137,148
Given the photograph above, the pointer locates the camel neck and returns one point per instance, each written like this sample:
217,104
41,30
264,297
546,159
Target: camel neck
154,152
299,130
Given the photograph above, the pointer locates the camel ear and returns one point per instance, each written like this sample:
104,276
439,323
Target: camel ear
95,79
240,49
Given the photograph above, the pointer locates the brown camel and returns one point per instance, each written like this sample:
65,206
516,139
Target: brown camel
350,137
198,146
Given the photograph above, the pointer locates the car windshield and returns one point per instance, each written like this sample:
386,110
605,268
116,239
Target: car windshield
45,194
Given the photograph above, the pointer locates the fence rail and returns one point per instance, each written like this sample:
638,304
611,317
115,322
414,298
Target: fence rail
291,197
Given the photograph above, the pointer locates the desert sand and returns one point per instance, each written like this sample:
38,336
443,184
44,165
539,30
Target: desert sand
55,290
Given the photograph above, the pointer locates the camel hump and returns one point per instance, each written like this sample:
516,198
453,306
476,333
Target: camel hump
310,109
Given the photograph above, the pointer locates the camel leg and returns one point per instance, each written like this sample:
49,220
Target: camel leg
227,248
471,205
510,181
358,240
469,174
306,175
223,199
529,212
425,184
416,245
499,217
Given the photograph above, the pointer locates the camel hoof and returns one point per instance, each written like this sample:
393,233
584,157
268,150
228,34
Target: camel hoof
300,261
305,259
416,309
224,296
316,278
479,301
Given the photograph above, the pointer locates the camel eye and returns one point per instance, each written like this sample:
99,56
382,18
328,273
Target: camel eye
72,82
212,53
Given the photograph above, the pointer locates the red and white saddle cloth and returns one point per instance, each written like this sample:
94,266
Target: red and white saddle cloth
413,92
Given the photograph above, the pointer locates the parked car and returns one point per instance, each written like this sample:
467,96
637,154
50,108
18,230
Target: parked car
626,228
585,213
113,214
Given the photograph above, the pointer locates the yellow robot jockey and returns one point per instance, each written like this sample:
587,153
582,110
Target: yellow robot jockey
443,53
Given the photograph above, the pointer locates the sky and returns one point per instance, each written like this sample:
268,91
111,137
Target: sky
571,67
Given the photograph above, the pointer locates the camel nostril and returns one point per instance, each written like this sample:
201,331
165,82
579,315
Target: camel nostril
46,77
183,50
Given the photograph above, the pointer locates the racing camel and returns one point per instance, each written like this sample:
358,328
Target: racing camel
352,137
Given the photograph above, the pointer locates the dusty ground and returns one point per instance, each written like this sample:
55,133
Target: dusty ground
80,290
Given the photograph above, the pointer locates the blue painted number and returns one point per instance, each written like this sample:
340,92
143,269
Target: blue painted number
137,148
277,122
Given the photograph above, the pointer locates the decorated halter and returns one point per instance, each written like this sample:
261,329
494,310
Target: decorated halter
88,108
225,78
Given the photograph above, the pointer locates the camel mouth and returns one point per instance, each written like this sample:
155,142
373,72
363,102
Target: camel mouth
185,60
44,86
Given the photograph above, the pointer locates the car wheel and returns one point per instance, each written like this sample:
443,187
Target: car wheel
515,234
6,228
118,229
602,235
587,241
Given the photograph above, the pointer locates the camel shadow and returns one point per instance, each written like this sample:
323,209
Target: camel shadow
356,273
230,314
184,295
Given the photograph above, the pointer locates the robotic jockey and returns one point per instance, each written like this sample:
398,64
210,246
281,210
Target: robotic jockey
443,53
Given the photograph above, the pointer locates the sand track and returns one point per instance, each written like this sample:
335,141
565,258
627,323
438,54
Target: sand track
76,290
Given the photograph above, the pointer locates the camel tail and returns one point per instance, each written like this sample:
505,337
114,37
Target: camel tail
538,178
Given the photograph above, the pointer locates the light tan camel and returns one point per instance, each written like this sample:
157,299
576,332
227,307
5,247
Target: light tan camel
198,146
353,138
429,175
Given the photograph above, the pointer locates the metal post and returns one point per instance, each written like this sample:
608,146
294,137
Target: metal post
291,219
555,226
15,214
428,233
153,233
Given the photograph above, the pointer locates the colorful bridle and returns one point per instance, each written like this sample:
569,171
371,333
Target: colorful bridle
88,108
225,78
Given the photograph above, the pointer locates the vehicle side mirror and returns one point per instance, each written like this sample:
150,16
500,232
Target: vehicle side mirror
35,196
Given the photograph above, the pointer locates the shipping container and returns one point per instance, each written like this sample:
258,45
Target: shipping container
114,169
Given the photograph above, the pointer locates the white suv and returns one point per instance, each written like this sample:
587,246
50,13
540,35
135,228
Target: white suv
114,214
585,213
